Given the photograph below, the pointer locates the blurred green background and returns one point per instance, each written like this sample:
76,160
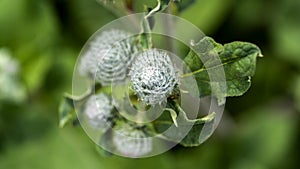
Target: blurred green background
39,44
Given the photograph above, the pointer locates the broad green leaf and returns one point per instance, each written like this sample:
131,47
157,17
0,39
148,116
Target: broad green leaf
238,59
188,132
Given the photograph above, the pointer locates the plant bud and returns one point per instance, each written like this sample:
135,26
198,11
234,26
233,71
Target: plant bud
132,142
153,76
108,57
97,110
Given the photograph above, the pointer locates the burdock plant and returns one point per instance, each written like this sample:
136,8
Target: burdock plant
131,141
108,56
98,111
153,76
115,57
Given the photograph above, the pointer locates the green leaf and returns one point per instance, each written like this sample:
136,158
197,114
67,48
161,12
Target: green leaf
186,131
66,111
238,60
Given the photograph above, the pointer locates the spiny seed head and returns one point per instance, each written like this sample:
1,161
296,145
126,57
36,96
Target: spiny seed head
113,67
132,142
96,48
98,110
108,56
153,76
